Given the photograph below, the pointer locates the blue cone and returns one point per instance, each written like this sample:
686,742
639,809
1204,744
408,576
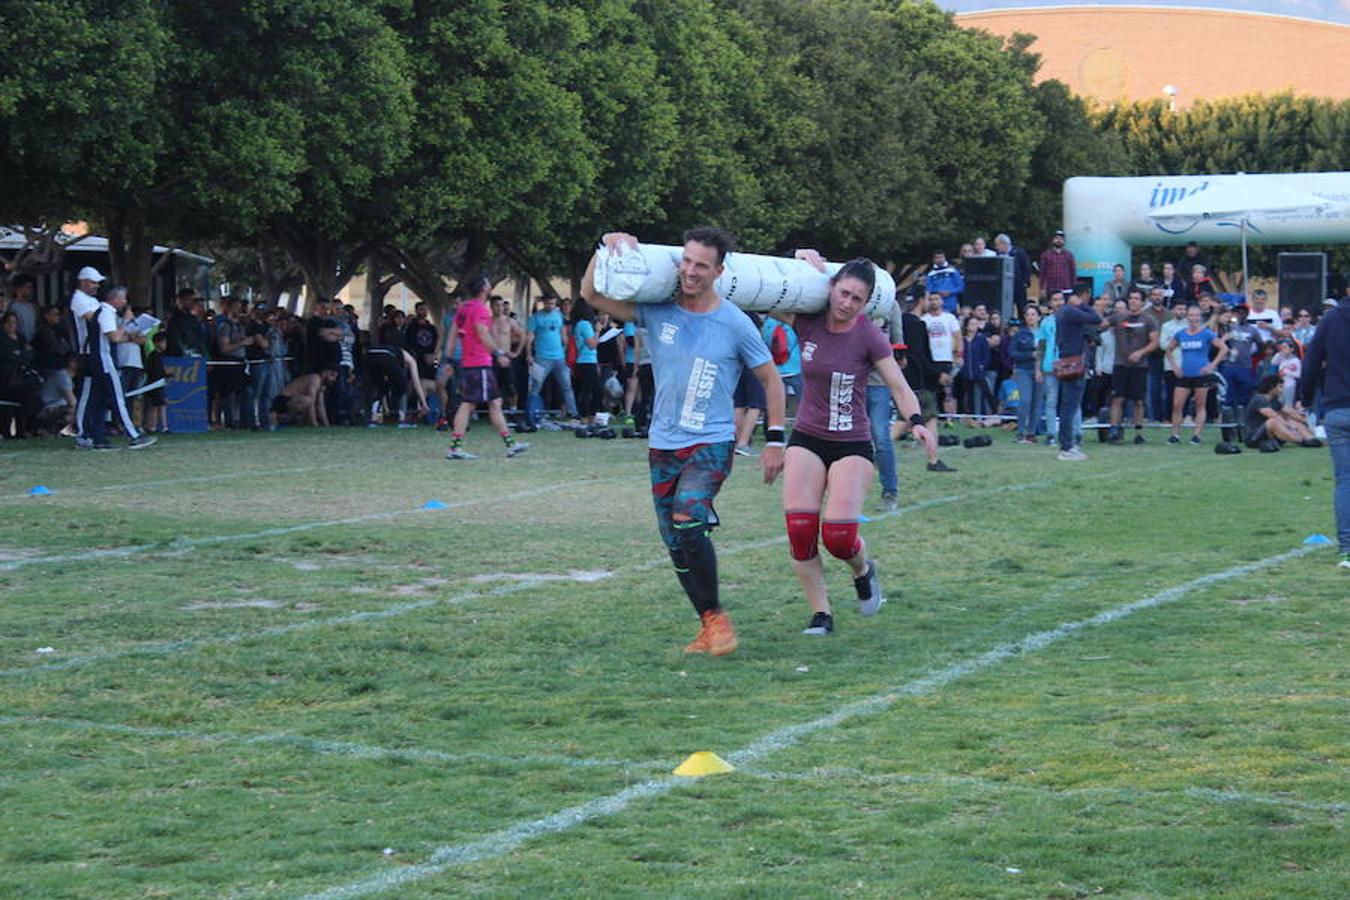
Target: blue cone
40,490
433,504
1316,540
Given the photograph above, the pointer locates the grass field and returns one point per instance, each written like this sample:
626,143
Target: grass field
272,673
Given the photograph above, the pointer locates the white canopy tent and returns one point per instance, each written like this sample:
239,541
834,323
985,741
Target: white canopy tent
1248,201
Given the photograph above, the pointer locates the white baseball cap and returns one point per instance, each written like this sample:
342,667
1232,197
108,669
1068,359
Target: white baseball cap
89,273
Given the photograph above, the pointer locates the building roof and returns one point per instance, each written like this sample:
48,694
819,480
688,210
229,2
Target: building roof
1111,52
13,239
1334,11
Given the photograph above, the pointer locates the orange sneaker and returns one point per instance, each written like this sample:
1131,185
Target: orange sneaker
721,635
700,643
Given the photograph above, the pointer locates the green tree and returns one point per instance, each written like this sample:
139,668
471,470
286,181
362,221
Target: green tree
1253,133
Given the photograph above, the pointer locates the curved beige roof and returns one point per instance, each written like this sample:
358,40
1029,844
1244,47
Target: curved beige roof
1131,53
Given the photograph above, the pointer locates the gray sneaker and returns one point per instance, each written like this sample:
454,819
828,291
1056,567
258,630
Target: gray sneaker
888,504
745,450
868,588
141,441
458,453
516,449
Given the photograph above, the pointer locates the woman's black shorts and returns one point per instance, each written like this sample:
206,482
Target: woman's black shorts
1195,381
830,452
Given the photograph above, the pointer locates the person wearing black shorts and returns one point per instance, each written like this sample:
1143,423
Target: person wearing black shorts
829,457
1136,335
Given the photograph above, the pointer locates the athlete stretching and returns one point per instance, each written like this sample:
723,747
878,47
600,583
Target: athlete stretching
698,345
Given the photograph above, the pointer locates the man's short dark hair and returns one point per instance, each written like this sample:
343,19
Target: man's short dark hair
719,239
22,281
475,285
1267,384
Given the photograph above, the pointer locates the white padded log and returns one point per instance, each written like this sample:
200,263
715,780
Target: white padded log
649,274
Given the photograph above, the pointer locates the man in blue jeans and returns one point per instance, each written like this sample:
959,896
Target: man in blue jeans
1071,320
1327,363
545,349
879,416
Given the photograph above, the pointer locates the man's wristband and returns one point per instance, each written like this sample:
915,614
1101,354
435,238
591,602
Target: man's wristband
917,419
775,437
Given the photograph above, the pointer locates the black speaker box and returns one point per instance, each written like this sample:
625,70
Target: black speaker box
1303,280
989,280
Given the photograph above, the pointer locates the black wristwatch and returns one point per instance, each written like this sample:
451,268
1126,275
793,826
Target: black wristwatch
917,419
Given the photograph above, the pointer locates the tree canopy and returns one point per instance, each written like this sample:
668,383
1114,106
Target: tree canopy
430,139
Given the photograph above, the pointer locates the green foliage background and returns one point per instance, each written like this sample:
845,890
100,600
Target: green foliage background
306,139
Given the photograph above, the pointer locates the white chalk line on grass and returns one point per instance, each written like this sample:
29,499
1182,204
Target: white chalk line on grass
167,482
167,648
836,774
332,748
504,841
182,543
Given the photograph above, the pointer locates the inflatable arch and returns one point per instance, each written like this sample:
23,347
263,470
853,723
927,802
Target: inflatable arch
1105,217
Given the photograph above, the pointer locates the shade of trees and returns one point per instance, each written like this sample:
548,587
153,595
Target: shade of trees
423,140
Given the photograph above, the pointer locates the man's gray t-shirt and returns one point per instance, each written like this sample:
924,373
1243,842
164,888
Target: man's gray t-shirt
1243,341
1133,333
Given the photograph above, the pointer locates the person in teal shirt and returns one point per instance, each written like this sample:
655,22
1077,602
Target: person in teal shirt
586,372
1047,347
545,353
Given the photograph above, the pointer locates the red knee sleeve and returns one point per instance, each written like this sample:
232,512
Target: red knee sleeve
801,529
841,539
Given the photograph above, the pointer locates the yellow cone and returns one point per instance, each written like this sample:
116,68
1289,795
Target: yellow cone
704,762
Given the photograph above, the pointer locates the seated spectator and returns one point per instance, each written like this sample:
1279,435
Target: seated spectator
1268,418
57,397
20,381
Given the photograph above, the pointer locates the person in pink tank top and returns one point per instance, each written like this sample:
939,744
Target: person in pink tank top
472,330
829,455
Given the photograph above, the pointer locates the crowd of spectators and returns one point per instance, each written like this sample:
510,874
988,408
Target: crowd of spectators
1156,344
1159,346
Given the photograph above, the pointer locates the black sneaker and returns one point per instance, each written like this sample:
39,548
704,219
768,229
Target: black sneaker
940,466
1174,440
1140,439
821,624
141,441
1115,437
1195,439
102,446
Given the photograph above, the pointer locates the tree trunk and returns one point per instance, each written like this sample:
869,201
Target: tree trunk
131,256
537,275
417,271
327,264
